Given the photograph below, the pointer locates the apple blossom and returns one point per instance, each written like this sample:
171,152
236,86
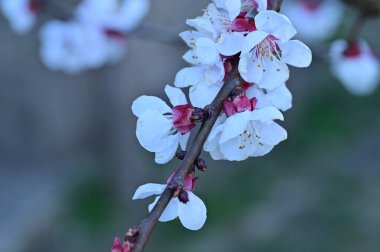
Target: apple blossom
268,49
189,208
161,129
356,66
21,14
314,20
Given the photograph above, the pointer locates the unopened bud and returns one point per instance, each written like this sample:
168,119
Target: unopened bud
180,155
131,235
201,164
198,115
183,197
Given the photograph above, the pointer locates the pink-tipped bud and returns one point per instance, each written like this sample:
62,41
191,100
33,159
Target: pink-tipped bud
119,247
182,119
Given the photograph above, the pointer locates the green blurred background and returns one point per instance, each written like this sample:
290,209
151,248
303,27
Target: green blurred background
70,161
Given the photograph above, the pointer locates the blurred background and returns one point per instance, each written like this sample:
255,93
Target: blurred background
70,161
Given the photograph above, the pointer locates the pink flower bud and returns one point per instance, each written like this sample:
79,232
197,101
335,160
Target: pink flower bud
239,104
182,119
119,247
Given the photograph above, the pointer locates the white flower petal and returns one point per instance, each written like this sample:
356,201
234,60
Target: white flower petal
205,51
250,69
233,7
276,73
193,214
189,37
152,131
252,40
230,43
202,94
275,24
262,5
183,139
145,103
167,154
236,150
170,212
234,125
271,134
266,115
189,76
175,95
147,190
296,53
280,97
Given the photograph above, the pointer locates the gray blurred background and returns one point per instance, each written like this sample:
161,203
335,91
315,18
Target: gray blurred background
70,161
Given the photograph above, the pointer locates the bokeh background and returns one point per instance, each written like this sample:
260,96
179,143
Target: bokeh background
70,161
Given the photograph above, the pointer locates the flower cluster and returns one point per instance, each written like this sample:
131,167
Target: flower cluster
95,34
231,35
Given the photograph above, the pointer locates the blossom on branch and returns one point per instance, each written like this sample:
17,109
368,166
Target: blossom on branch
268,49
356,66
244,131
188,207
160,129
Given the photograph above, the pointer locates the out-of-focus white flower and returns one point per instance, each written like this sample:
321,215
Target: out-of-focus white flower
117,15
356,66
20,13
161,129
189,208
314,20
244,131
268,49
71,46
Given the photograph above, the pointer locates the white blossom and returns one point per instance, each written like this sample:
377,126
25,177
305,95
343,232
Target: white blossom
156,125
267,50
356,66
70,46
314,20
20,13
244,131
192,214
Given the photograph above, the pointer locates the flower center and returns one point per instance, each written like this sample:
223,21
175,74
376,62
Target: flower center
268,48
